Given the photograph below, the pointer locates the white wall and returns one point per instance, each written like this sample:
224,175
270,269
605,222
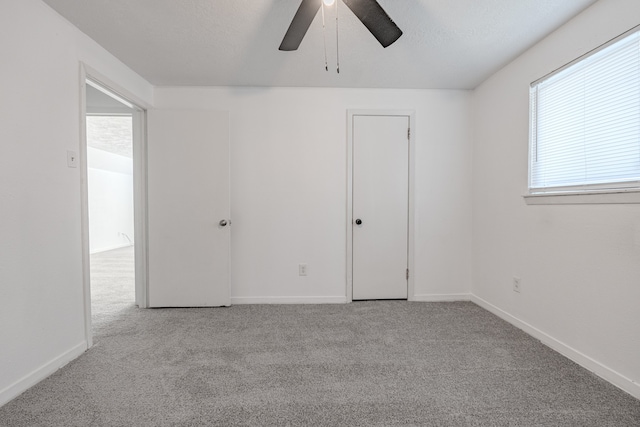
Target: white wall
110,178
41,290
579,264
289,186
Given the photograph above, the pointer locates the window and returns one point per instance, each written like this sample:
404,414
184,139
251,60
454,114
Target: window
585,122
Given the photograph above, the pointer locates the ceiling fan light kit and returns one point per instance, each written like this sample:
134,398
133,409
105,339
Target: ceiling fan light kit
369,12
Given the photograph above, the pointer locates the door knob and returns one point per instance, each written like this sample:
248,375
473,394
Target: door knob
358,221
223,223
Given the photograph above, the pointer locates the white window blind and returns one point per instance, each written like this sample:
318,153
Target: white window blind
585,122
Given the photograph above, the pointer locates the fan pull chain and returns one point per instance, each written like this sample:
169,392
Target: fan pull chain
337,48
324,37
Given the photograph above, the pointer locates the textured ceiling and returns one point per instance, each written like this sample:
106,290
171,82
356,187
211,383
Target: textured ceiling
109,124
111,133
453,44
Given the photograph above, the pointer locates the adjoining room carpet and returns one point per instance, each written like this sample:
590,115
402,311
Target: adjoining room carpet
113,287
365,363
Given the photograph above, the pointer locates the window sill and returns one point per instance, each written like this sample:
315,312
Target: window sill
629,196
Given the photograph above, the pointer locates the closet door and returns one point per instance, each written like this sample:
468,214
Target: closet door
380,206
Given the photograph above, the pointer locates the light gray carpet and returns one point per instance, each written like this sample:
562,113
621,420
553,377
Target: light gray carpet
361,364
112,285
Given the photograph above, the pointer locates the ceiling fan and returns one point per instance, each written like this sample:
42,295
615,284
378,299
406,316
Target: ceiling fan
369,12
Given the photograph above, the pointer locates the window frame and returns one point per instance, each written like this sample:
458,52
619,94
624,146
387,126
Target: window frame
606,192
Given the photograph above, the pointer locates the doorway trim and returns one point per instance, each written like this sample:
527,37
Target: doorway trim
410,114
139,189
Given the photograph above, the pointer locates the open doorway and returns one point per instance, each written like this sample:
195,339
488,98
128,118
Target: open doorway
113,205
109,127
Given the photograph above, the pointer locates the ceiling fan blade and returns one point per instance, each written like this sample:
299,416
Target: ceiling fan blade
376,20
300,24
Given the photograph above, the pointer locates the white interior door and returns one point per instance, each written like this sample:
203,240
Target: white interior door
380,206
188,208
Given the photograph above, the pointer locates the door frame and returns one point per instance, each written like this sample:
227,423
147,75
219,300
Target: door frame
410,114
139,122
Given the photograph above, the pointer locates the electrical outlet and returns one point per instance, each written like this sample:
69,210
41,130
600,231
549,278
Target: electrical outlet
302,269
517,285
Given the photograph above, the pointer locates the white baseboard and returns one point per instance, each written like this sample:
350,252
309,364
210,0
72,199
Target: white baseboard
440,297
608,374
341,299
23,384
288,300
